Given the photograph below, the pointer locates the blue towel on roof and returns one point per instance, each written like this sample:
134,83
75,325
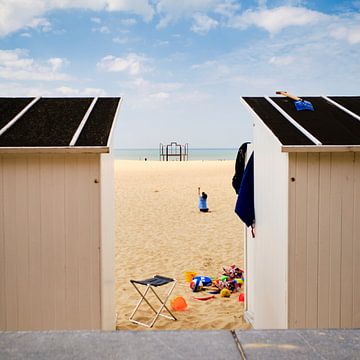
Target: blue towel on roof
245,202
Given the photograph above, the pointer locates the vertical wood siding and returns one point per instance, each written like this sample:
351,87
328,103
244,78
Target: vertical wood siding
268,283
49,242
324,240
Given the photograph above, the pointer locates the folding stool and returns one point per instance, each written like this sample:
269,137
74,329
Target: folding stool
151,284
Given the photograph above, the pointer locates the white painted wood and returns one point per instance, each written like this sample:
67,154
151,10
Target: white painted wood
2,253
82,123
108,316
18,116
343,108
324,268
49,241
294,122
325,241
249,260
270,244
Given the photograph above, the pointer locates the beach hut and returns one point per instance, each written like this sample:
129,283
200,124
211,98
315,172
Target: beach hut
57,213
303,266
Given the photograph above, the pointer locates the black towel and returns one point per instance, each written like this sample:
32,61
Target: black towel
245,202
239,167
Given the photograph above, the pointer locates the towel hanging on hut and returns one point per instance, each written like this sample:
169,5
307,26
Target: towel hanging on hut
245,208
239,167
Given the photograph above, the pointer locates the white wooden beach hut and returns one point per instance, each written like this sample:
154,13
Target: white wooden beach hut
56,213
303,266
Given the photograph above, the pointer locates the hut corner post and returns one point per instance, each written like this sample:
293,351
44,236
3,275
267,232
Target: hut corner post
269,249
107,243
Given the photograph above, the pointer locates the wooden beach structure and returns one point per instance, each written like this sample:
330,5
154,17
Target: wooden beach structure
173,151
57,213
303,266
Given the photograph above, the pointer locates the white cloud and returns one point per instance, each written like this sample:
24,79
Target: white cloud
159,43
16,65
227,8
40,23
132,64
277,19
96,20
159,96
128,22
173,10
102,30
18,14
281,60
121,40
20,89
203,23
69,91
57,63
350,34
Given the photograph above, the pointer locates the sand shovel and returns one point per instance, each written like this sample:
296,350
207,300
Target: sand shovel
299,103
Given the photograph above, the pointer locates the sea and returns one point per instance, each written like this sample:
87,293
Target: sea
194,154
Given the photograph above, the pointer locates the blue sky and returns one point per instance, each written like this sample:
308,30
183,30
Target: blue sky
180,66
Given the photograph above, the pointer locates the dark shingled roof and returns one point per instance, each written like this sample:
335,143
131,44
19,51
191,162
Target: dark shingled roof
352,103
287,133
52,122
10,107
328,123
98,125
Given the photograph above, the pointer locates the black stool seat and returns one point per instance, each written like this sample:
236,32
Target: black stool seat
157,280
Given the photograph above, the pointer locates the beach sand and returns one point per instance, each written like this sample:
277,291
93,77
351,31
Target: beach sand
159,230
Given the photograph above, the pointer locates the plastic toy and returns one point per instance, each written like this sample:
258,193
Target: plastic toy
189,275
233,271
178,303
241,297
225,293
206,281
204,298
196,285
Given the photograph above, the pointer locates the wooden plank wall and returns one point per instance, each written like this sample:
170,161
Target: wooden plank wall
324,240
49,242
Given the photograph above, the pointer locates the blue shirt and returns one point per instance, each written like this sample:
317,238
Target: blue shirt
202,203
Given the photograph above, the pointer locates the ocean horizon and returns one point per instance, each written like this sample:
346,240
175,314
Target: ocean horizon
152,154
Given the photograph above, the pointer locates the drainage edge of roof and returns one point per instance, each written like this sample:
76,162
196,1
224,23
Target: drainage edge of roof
54,149
320,148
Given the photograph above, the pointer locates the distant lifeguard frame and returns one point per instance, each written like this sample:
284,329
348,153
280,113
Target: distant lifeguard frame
173,151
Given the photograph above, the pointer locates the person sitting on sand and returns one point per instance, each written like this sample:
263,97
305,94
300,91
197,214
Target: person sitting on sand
202,201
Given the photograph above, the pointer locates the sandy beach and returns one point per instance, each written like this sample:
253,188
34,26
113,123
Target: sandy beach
159,230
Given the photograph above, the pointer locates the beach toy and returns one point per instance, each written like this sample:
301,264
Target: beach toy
178,303
239,281
233,271
189,275
225,293
214,292
196,285
300,104
204,298
206,281
241,297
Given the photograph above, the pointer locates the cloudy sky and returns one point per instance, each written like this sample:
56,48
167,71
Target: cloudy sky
180,66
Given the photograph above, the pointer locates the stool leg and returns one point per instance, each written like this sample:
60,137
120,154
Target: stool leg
163,305
140,301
